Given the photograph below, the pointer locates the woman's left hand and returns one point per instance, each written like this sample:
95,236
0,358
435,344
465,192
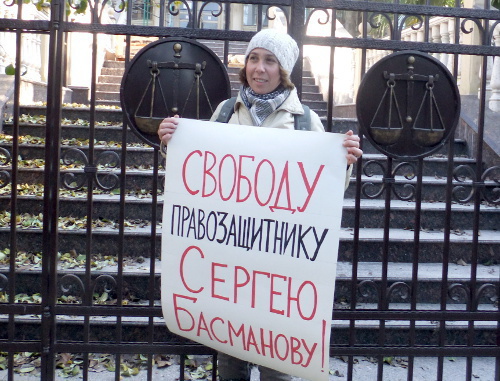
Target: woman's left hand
351,142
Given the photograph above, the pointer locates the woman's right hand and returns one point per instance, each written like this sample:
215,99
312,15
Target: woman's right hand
167,128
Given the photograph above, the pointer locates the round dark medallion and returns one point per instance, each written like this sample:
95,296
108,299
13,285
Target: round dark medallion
408,105
168,77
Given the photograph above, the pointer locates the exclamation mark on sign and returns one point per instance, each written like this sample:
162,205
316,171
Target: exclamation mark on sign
323,346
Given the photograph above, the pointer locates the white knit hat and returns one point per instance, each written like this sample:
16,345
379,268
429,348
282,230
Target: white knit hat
280,44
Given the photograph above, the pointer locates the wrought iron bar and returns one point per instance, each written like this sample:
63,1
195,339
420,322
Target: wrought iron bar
296,29
415,262
51,191
14,182
477,207
383,302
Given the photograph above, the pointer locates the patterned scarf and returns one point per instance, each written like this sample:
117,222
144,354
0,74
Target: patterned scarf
262,105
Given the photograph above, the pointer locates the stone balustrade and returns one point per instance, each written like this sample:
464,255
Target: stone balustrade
442,30
33,46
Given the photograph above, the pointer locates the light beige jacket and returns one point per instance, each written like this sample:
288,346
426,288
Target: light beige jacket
282,117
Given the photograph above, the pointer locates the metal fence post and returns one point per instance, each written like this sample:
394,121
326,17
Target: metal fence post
51,191
297,31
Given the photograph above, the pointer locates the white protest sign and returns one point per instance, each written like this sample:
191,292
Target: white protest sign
251,221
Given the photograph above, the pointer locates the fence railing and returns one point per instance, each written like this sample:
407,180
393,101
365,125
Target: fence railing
442,30
419,249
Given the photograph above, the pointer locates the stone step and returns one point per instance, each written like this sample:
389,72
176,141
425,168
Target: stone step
309,81
311,96
107,96
112,71
137,242
136,156
321,113
372,213
114,64
432,166
306,89
102,114
340,125
432,216
234,79
145,156
136,277
319,106
137,329
108,87
114,132
434,189
113,103
102,133
114,79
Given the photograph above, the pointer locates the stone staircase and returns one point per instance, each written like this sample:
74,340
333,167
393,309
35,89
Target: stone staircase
137,234
136,241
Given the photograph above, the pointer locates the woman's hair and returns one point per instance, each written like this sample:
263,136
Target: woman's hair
285,77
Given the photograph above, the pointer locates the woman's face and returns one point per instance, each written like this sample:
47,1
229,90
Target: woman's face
263,71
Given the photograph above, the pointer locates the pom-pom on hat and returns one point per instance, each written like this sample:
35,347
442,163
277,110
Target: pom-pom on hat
280,44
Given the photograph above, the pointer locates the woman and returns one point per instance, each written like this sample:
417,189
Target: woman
267,98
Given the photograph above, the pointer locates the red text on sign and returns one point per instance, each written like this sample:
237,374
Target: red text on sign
240,177
272,292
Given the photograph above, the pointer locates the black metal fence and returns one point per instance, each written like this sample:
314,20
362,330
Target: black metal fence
80,197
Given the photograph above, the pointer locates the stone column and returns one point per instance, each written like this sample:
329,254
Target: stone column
494,102
435,37
469,78
445,39
236,17
451,38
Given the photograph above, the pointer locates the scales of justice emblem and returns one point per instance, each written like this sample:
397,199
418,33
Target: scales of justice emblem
168,77
408,105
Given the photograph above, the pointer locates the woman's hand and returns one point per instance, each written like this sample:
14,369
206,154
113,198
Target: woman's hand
351,142
167,129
